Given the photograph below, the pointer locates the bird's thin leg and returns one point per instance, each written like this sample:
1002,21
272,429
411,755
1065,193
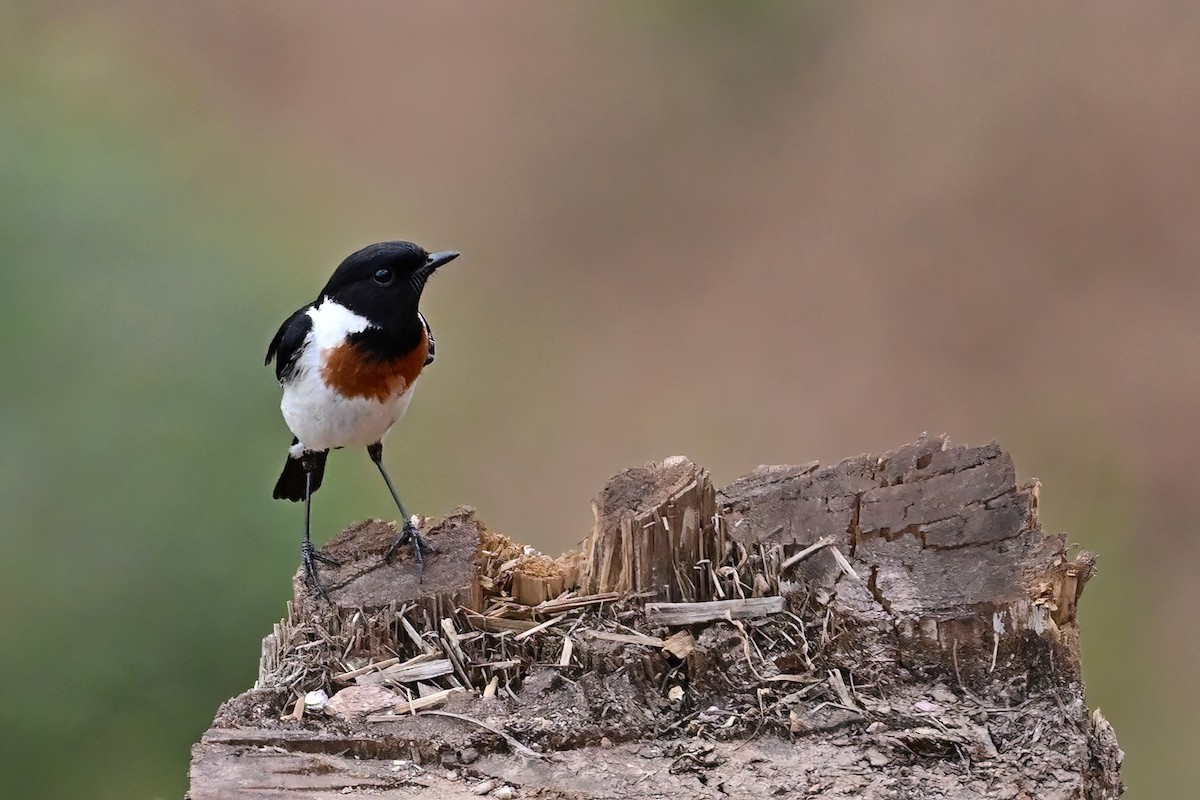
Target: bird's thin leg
408,533
308,553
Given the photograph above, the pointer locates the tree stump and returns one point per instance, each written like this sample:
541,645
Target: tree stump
888,627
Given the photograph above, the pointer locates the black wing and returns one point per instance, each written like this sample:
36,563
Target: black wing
288,342
428,335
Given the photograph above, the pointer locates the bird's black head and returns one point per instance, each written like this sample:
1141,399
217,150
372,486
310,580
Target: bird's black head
383,282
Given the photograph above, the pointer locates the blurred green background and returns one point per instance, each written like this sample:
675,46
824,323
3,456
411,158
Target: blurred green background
751,233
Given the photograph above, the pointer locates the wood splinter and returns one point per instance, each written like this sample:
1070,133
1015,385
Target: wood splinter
694,613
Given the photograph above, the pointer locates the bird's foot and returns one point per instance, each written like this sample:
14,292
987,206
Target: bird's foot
420,545
311,556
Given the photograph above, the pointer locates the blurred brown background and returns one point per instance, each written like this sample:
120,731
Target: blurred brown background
749,232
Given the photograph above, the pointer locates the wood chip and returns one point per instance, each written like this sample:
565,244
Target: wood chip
692,613
540,627
499,624
565,659
844,564
796,558
346,677
838,684
423,645
679,644
355,702
425,669
457,658
787,676
297,712
568,603
414,705
626,638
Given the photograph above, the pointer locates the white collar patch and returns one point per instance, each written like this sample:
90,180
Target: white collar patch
332,323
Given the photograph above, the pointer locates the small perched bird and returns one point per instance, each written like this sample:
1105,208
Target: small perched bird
348,362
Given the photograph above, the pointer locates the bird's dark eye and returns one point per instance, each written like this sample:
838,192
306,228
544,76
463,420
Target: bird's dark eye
383,277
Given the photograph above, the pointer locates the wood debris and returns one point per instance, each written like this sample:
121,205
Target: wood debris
680,644
413,705
626,638
356,702
539,627
569,602
564,660
694,613
421,668
346,677
796,558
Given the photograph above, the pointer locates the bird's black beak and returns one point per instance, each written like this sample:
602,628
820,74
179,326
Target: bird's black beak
432,262
436,260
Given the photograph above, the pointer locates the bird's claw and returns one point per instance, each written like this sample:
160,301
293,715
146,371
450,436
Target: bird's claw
311,556
420,545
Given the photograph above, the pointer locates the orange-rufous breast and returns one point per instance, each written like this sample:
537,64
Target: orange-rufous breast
347,371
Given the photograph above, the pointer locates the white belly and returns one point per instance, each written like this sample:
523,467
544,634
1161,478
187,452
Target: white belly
323,419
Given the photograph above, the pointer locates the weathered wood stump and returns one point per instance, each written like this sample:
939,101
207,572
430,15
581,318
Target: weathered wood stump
374,607
888,627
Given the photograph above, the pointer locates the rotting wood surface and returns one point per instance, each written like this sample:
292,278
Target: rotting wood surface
887,627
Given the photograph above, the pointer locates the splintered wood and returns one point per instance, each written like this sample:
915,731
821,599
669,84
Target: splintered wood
627,638
694,613
414,705
538,578
656,531
421,668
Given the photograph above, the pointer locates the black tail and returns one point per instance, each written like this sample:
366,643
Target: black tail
290,485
